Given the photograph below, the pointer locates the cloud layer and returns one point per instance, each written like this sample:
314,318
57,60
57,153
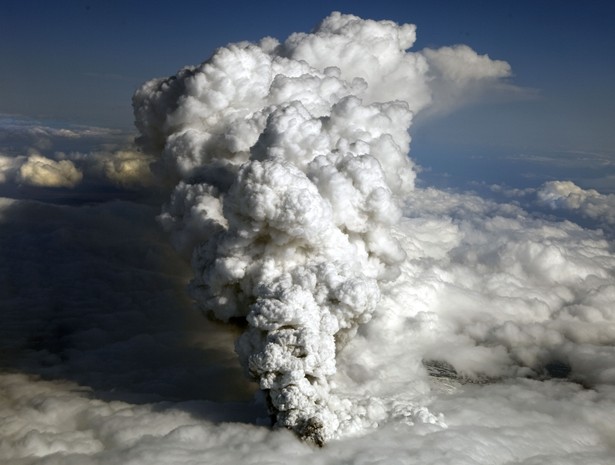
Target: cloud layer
122,168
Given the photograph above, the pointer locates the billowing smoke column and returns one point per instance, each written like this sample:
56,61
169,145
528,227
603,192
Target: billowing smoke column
288,161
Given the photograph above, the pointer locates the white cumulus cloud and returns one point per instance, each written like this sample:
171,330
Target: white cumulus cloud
41,171
567,195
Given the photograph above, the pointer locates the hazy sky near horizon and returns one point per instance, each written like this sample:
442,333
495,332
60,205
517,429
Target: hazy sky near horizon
80,61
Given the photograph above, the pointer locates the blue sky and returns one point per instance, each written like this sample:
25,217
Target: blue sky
80,61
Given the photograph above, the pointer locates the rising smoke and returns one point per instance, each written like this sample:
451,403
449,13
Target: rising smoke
289,162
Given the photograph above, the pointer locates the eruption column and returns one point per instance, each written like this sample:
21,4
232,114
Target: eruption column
288,160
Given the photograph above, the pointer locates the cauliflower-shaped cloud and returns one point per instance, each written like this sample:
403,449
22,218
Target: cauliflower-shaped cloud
44,172
290,160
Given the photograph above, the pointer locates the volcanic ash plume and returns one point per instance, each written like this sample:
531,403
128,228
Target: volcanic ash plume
289,160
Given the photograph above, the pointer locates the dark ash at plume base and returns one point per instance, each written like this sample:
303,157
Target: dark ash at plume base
289,161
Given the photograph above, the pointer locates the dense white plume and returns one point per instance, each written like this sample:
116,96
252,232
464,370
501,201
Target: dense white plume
290,160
